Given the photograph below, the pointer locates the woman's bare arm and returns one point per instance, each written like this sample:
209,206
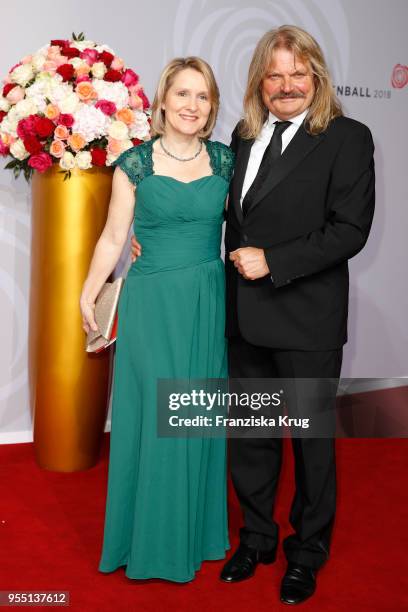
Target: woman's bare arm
110,244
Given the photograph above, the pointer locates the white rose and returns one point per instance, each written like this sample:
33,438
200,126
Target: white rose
98,70
76,61
9,127
25,107
67,161
10,124
4,104
101,48
18,150
127,144
83,160
110,158
69,104
83,44
38,61
118,130
22,74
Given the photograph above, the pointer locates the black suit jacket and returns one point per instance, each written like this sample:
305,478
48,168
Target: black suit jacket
312,214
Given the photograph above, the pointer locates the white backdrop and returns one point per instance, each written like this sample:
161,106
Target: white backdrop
363,42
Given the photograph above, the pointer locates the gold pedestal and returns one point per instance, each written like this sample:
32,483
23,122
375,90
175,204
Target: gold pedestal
68,387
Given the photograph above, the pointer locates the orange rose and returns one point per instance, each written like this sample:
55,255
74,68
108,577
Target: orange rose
61,132
135,101
82,70
51,111
125,115
57,148
115,146
85,91
76,141
7,139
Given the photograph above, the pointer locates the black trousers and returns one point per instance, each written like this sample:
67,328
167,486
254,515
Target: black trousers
255,462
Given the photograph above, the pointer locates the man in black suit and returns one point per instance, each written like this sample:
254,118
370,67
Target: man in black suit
301,204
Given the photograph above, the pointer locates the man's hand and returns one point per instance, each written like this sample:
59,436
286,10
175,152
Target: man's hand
136,248
250,262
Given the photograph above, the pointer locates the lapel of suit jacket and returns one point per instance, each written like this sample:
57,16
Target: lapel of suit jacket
301,145
241,164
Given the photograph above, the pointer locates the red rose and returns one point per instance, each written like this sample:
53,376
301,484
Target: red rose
144,98
40,162
2,115
70,52
98,157
66,119
112,75
106,58
106,106
44,127
26,127
60,43
136,141
8,87
66,71
32,145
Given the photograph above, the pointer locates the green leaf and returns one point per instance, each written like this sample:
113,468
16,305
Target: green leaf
11,164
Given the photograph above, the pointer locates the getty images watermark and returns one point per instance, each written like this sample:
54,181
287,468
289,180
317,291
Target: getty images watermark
277,407
213,401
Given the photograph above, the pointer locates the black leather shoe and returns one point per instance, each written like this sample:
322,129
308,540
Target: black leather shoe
243,563
298,583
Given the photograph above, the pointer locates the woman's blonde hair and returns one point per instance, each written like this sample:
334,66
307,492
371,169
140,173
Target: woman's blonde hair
165,82
325,105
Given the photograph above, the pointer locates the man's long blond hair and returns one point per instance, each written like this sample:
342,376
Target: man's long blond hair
325,105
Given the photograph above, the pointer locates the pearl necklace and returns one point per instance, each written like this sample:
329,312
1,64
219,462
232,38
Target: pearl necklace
182,159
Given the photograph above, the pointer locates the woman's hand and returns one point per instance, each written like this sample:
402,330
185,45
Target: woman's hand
88,314
136,248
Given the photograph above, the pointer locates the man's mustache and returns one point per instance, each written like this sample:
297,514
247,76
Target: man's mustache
282,96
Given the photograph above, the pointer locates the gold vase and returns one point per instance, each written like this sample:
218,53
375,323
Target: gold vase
69,388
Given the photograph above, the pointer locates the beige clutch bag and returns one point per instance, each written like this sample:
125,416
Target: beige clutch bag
106,317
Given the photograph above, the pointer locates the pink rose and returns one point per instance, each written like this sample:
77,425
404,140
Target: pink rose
115,146
15,95
40,162
117,63
50,66
130,78
89,55
4,149
53,53
135,101
107,107
399,76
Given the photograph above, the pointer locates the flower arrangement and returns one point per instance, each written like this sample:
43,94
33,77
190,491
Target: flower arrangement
72,102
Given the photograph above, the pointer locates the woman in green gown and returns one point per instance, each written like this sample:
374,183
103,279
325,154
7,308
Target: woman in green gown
166,508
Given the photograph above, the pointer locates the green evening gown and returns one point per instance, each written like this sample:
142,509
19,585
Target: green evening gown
166,507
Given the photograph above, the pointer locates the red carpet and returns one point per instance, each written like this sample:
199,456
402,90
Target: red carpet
51,529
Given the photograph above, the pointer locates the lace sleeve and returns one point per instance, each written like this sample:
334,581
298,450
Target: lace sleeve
223,159
131,163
